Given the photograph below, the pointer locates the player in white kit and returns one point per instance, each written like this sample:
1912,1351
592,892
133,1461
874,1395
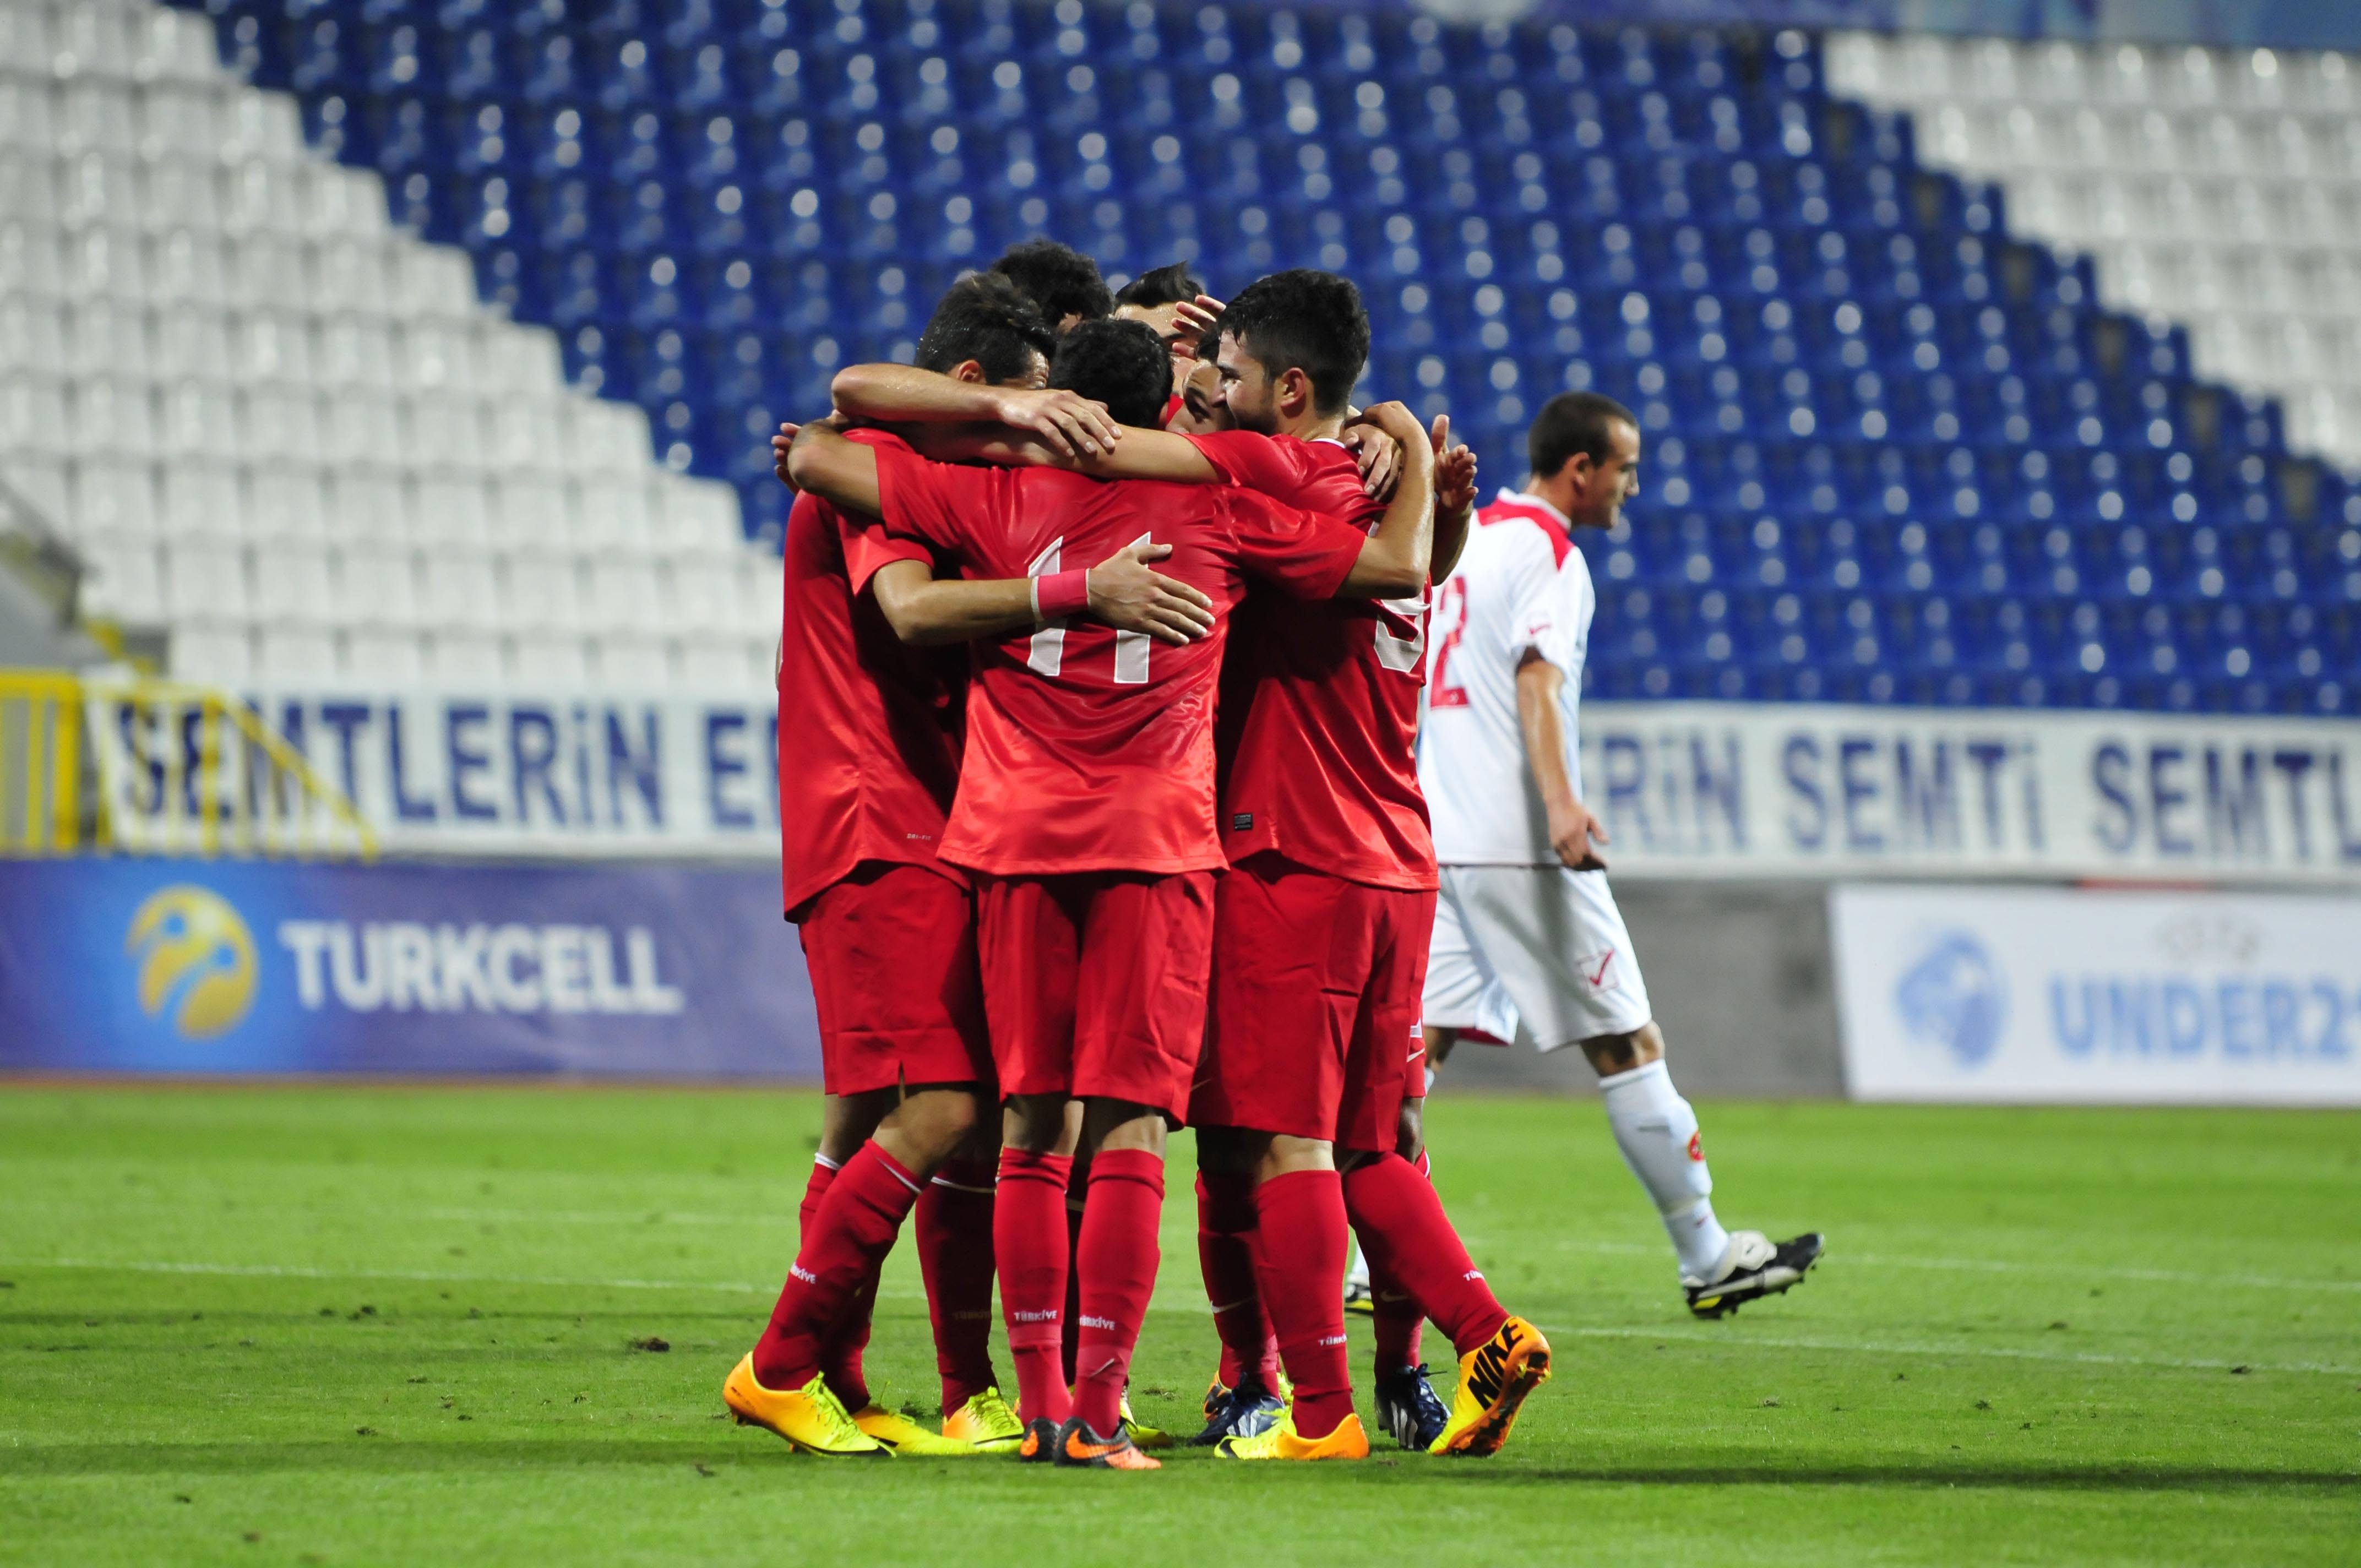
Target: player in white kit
1528,943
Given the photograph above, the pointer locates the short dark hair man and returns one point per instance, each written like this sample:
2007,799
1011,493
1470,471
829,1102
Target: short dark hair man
1063,284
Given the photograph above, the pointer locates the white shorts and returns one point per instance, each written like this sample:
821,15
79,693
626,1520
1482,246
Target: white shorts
1532,953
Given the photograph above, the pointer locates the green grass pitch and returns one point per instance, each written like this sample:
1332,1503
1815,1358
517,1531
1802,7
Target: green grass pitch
300,1325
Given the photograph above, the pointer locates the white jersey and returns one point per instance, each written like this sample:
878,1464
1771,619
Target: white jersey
1520,584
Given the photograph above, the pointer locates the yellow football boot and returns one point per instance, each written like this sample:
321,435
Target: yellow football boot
1494,1379
907,1437
1280,1441
1142,1436
811,1419
985,1423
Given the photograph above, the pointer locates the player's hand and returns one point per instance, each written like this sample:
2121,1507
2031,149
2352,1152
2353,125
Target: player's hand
1072,424
1397,421
1572,828
1129,595
779,444
1379,455
1192,320
1455,470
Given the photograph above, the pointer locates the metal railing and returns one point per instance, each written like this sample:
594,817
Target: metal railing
174,769
40,763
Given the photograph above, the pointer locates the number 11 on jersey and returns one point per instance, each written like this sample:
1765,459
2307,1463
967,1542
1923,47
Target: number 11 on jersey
1047,653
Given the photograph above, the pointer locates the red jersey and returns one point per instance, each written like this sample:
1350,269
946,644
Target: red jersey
1320,701
1090,748
868,726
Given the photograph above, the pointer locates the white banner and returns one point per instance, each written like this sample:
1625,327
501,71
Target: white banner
1769,789
1685,789
440,772
2081,995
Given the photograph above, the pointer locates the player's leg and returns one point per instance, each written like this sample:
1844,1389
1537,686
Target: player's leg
1264,1001
1560,946
1410,1242
1139,1021
1038,1137
1656,1128
1029,939
1245,1386
953,1228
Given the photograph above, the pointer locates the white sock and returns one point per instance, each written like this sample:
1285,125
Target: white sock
1658,1134
1358,1274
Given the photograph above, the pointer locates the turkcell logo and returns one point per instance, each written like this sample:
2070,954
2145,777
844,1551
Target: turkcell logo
1952,999
195,960
401,965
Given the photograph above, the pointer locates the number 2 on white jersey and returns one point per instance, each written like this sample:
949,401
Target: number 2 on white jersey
1047,654
1450,625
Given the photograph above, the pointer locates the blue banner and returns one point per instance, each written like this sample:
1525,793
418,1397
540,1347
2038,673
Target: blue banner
250,967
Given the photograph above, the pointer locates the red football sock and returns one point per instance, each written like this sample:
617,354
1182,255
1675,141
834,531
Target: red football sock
1300,1250
850,1233
1069,1342
954,1235
1396,1319
1117,1263
1226,1227
840,1359
1028,1238
1405,1233
823,1175
1396,1316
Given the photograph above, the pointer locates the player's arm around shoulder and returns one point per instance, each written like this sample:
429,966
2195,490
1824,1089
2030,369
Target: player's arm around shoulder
1399,550
821,461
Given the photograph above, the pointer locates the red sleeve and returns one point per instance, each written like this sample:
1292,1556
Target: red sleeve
868,546
945,504
1305,553
1256,462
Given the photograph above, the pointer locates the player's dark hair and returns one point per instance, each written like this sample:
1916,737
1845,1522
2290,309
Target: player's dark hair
1120,364
986,318
1060,280
1307,320
1169,285
1572,424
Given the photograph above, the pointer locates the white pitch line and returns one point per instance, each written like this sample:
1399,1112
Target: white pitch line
1727,1339
422,1275
1936,1351
2000,1265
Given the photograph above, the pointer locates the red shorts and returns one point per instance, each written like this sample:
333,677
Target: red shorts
1095,983
891,954
1316,993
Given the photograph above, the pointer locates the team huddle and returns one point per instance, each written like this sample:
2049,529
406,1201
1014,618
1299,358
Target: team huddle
1106,810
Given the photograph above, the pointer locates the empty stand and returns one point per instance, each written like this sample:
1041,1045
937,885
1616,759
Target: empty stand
2218,186
1897,451
263,410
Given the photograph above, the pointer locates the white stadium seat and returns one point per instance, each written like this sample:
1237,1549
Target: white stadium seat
460,591
113,499
465,658
391,659
550,659
2212,185
205,581
377,585
291,436
541,590
296,655
292,584
213,654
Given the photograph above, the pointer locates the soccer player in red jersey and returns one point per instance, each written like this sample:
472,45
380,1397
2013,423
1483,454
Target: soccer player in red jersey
1086,809
1312,1042
868,738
